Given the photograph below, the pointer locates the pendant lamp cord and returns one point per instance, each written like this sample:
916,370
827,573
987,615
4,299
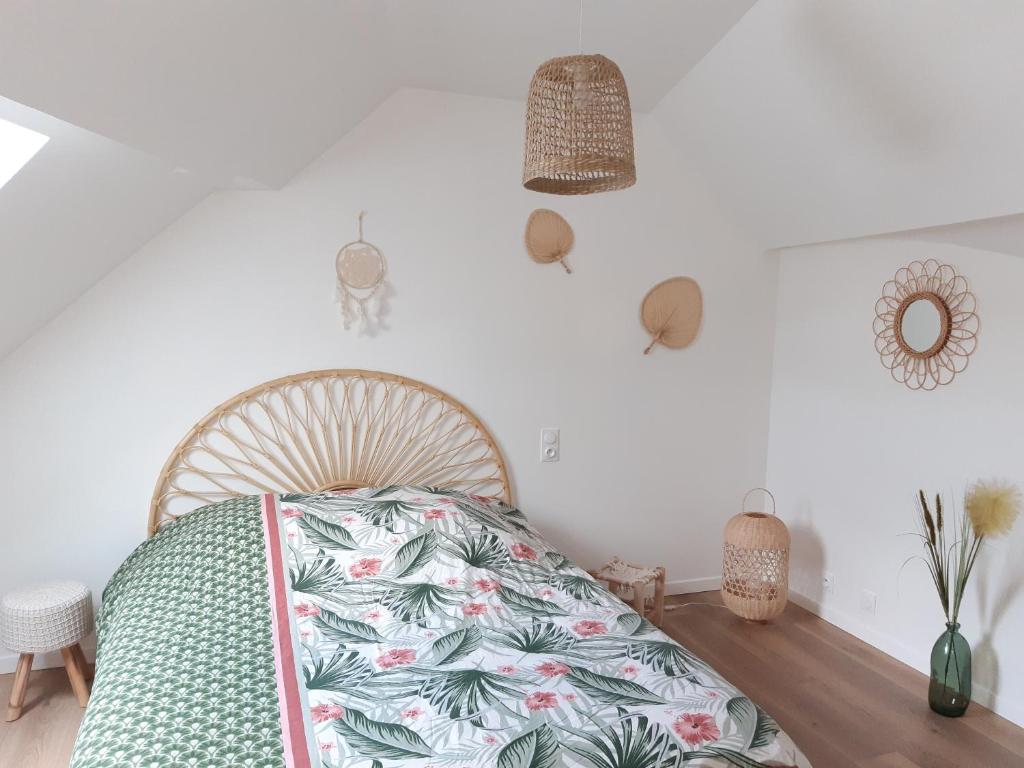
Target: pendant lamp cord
580,40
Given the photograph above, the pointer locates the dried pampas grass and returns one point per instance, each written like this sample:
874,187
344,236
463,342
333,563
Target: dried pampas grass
990,509
993,507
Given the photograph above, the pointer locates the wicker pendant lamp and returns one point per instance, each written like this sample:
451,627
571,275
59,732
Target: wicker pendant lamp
755,563
579,128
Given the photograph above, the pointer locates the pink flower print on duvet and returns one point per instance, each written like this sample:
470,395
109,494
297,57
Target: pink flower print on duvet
396,657
588,628
365,566
323,713
305,610
541,700
523,552
553,669
696,728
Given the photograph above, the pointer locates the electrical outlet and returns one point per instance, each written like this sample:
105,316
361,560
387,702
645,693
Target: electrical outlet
868,601
828,583
550,444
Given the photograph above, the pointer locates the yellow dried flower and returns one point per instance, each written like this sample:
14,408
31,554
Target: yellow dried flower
993,507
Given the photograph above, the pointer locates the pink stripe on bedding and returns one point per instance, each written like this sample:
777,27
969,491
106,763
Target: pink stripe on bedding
293,729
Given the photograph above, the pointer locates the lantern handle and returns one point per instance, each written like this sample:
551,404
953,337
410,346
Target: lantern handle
743,506
362,215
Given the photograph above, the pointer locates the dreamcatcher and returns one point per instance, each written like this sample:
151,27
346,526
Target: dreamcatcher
361,282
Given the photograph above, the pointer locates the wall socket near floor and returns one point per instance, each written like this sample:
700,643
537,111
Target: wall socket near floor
828,583
550,444
868,601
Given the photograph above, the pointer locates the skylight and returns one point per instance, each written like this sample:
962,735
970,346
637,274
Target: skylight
17,146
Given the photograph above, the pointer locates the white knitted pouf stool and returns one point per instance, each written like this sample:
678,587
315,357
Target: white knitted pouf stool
49,617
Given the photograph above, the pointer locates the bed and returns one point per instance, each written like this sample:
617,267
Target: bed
357,590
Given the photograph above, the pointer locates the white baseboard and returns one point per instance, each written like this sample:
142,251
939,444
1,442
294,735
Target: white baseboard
689,586
916,658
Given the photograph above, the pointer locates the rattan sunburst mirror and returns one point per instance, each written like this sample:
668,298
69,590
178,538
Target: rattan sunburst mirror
926,327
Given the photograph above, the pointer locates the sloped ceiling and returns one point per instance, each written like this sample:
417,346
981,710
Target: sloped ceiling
821,121
1004,234
79,207
248,92
811,120
150,105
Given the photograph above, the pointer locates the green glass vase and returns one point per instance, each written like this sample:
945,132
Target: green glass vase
949,691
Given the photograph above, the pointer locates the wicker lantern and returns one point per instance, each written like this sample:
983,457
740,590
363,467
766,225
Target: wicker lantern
755,563
579,128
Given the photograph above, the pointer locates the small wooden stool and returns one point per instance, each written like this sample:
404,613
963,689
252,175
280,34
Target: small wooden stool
623,577
49,617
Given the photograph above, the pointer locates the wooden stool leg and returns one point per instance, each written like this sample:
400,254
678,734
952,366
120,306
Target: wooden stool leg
75,675
659,597
88,670
20,686
638,598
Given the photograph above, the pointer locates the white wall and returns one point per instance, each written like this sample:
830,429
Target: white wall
657,450
849,448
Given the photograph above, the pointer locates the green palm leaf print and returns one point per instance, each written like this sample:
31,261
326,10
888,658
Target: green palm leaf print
380,741
535,749
414,602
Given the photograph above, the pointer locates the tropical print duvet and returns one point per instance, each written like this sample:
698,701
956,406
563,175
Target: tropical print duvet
393,627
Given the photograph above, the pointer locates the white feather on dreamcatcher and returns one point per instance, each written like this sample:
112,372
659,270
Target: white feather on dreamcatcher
362,286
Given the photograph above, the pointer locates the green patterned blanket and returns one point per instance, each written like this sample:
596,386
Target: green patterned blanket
393,627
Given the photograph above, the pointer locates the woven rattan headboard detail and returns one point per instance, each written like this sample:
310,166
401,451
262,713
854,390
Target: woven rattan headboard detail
330,430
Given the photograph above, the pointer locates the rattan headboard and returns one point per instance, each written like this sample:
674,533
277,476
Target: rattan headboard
330,430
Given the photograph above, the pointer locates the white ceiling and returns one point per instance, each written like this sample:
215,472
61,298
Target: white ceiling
156,103
821,121
811,121
251,91
1004,234
78,208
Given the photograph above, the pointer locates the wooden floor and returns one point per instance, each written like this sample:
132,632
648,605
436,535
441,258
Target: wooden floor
45,733
844,703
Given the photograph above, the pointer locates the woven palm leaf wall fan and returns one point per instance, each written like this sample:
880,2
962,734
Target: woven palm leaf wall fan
549,238
672,312
579,127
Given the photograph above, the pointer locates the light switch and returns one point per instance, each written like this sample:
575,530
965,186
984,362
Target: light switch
550,447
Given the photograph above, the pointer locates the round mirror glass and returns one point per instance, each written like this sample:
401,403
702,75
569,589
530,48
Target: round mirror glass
921,325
